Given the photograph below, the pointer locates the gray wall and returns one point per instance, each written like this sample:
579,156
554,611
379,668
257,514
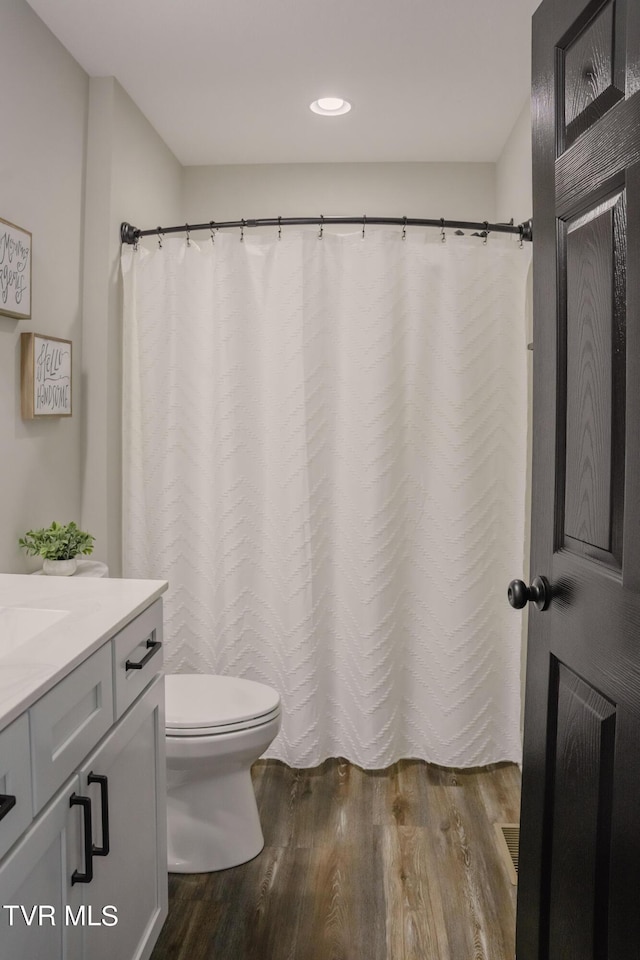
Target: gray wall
450,190
513,171
42,167
131,175
77,158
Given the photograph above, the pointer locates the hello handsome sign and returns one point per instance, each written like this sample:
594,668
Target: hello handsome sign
46,376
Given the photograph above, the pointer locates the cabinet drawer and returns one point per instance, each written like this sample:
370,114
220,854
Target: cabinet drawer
139,643
15,782
68,721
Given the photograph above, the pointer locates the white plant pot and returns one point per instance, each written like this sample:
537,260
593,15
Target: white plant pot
60,568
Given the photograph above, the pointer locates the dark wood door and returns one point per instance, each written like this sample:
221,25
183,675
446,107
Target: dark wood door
579,884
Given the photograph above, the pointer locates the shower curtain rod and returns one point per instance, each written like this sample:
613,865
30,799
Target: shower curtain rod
131,234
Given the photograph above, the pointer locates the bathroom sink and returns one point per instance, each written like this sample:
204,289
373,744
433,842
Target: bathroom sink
20,624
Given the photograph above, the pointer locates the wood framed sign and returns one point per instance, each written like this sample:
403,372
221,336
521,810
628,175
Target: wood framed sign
15,271
45,368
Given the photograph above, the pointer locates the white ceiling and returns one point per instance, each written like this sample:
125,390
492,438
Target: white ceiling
230,81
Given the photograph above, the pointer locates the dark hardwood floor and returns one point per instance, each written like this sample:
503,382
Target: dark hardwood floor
400,864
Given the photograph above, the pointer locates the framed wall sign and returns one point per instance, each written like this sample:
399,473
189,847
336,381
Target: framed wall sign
45,367
15,271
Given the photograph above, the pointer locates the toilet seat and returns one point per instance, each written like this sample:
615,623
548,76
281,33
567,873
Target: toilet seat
206,705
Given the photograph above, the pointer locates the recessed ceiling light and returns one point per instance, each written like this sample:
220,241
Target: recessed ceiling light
330,106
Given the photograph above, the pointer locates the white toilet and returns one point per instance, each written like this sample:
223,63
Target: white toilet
216,728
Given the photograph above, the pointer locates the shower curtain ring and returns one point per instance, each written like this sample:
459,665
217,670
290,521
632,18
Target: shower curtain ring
242,231
321,226
279,228
443,236
364,223
404,229
160,236
188,232
486,231
521,229
213,236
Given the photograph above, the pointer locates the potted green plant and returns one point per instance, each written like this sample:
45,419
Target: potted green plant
59,545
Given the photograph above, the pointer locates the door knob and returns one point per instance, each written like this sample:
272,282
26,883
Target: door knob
519,593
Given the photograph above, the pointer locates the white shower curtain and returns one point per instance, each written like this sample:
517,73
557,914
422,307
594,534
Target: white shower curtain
324,454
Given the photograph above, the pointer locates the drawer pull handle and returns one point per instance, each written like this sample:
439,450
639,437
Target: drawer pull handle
85,803
102,851
7,802
153,647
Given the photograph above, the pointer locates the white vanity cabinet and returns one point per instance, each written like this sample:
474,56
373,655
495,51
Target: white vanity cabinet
132,876
36,874
87,878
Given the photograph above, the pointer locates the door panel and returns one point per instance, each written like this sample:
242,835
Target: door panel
593,78
594,386
583,781
589,285
580,839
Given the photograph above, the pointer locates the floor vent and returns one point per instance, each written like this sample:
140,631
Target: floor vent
508,835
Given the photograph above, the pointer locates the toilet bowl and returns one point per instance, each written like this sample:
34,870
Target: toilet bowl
216,727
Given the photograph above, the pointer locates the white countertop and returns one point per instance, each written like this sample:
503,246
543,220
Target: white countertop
66,619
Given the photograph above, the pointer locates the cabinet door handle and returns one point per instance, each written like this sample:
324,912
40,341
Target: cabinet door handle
87,876
102,851
7,802
153,647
